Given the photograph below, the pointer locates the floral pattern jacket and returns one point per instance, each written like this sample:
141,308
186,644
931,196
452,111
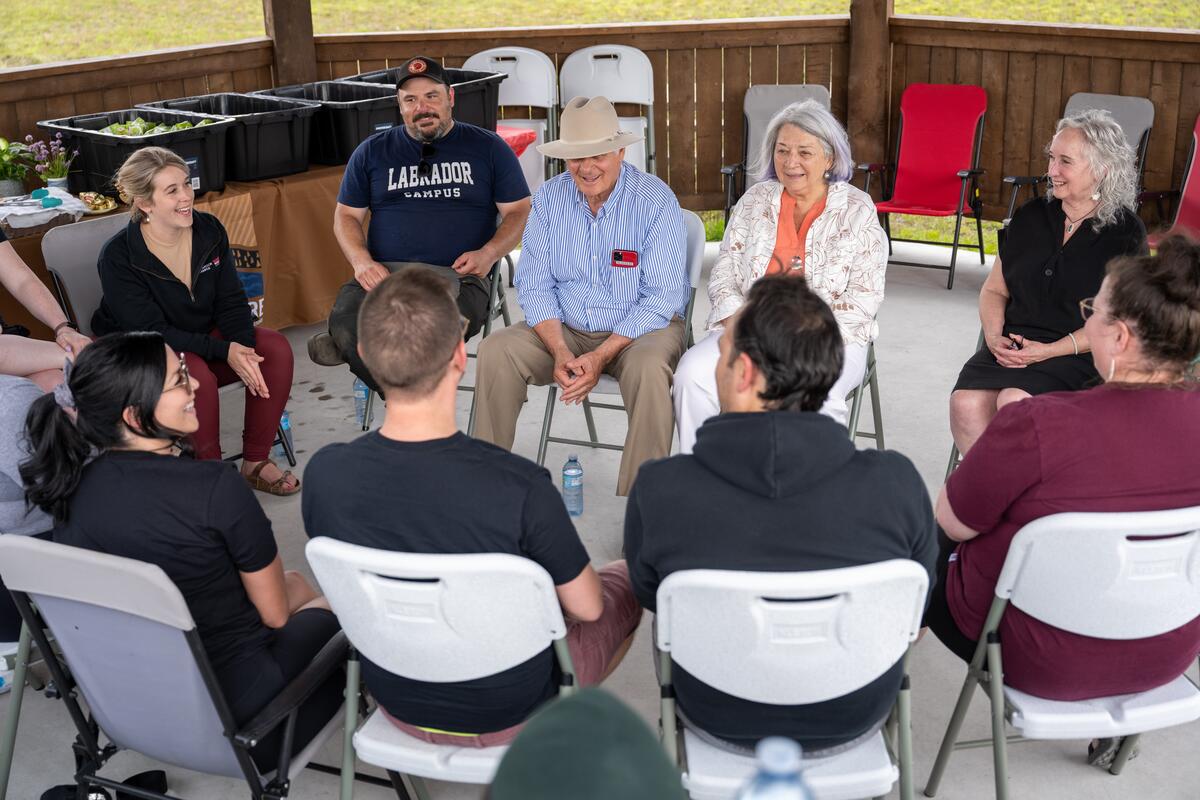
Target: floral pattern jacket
845,256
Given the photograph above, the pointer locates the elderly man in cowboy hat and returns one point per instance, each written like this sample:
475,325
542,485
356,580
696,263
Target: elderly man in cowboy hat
603,283
433,187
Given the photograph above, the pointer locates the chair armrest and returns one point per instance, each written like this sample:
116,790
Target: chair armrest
968,173
873,167
733,169
332,656
1023,180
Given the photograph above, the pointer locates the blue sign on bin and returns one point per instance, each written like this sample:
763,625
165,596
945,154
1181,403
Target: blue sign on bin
252,283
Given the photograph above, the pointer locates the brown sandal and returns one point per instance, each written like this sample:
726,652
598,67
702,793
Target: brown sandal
277,487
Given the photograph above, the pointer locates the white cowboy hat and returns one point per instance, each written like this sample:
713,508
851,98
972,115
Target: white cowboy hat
588,127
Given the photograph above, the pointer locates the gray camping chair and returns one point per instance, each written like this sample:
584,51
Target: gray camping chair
71,253
1135,115
762,102
131,648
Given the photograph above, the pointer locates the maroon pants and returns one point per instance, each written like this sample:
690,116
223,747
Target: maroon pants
262,414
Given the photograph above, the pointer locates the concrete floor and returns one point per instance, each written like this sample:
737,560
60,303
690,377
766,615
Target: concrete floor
926,334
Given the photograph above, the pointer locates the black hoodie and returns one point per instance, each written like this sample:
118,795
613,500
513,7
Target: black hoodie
777,491
141,294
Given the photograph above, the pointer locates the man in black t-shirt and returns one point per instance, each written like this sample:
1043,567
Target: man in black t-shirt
433,188
773,485
403,487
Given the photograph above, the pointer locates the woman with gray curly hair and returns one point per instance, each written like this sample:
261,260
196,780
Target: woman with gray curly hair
1053,256
802,219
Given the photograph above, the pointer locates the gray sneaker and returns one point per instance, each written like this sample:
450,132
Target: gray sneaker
323,351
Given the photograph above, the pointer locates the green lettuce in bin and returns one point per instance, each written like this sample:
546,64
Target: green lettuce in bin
140,127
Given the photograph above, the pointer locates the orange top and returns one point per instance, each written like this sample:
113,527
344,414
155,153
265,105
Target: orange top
789,242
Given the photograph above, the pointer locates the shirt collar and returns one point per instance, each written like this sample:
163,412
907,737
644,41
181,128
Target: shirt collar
582,202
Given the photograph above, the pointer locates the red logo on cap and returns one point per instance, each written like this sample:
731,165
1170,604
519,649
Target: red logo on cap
417,67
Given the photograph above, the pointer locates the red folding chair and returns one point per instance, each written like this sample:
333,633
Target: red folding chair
1187,212
936,172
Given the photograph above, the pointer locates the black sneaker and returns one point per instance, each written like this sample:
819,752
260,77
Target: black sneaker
323,351
1102,752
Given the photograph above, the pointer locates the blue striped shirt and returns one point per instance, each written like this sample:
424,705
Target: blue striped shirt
567,267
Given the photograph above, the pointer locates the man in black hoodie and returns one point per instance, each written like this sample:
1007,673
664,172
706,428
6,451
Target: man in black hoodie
773,485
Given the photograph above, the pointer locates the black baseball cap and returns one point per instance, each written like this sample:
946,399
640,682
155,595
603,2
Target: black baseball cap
421,67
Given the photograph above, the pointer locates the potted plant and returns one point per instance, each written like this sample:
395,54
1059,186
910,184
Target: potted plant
51,160
15,161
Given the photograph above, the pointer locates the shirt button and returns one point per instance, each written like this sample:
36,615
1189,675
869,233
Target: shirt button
1049,272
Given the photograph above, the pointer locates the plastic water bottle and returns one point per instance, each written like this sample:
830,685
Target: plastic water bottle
361,393
285,428
779,776
572,486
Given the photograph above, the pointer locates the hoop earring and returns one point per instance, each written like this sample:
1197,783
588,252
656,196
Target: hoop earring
1095,195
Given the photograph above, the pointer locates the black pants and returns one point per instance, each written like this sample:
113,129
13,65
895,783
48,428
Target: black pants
937,615
252,683
473,301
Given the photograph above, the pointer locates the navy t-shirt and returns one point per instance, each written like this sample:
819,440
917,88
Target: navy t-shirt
437,217
453,495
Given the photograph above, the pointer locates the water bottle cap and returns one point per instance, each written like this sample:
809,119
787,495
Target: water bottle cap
778,755
572,457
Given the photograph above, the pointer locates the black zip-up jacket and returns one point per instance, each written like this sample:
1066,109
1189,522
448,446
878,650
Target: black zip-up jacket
141,294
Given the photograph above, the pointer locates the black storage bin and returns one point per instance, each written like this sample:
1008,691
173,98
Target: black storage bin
102,154
349,113
476,94
269,136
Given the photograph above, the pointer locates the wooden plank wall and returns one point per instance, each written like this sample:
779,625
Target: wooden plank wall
54,91
1029,70
701,71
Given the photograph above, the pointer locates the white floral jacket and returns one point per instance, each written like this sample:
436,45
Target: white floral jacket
845,256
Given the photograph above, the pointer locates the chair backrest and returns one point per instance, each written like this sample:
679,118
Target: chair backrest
438,618
621,73
1095,574
761,103
1187,215
941,126
1135,115
129,641
532,79
791,638
696,236
71,252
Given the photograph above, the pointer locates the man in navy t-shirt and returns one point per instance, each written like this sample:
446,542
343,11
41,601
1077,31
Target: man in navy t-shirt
433,188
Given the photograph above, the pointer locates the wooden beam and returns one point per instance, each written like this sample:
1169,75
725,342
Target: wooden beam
867,83
289,24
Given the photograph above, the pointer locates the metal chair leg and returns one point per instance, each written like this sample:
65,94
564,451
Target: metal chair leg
996,695
876,408
591,422
8,741
953,463
288,451
954,247
979,232
398,785
350,724
855,411
547,418
904,739
952,731
368,410
1124,753
887,229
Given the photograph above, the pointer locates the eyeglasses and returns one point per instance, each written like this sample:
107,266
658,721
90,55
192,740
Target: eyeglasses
184,379
1087,307
425,168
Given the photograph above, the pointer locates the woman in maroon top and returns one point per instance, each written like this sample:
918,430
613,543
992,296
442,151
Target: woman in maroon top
1127,445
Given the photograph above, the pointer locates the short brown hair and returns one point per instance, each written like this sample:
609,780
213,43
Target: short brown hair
1159,297
408,328
135,179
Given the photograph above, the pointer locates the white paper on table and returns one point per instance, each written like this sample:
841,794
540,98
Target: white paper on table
31,216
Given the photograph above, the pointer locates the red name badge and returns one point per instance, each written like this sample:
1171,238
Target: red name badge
625,258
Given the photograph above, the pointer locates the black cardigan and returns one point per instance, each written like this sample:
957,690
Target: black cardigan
141,294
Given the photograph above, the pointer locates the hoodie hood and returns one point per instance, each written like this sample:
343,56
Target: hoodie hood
773,453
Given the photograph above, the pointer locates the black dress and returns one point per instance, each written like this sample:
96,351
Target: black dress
1046,279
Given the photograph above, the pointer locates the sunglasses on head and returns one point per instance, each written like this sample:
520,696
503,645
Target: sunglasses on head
425,167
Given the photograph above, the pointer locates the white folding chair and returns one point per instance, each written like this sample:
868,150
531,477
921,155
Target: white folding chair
870,382
623,74
607,386
532,82
1097,575
130,648
440,619
791,638
71,253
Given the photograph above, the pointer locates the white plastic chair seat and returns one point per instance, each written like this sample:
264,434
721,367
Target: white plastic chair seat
381,743
1175,703
607,385
865,771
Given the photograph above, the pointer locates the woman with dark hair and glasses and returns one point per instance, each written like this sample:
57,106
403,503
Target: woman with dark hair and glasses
1129,444
108,462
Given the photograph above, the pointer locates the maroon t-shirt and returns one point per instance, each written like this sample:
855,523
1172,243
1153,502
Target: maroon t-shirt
1112,448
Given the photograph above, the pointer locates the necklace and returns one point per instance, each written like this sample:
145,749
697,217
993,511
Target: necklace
1071,223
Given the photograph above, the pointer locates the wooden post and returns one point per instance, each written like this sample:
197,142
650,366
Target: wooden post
867,84
289,24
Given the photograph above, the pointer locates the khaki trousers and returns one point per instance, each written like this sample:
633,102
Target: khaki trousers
513,359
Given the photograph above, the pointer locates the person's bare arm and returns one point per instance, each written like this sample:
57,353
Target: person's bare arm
955,528
551,333
508,234
267,590
581,597
348,224
30,292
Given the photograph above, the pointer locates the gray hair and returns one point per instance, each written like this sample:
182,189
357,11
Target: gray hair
815,120
1111,159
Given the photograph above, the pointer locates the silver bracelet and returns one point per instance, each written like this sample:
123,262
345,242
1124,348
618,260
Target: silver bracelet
1074,343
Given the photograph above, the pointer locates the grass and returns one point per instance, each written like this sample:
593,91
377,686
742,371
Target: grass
36,31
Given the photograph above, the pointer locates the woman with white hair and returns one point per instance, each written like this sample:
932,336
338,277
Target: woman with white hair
803,219
1053,256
